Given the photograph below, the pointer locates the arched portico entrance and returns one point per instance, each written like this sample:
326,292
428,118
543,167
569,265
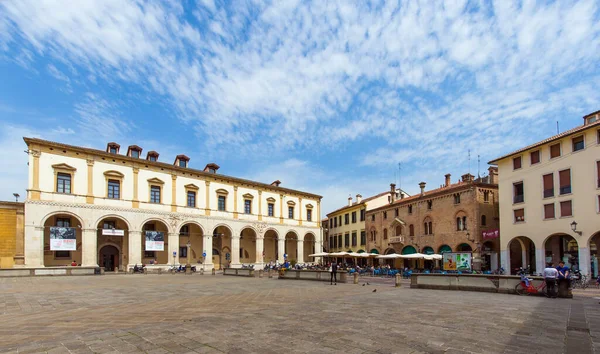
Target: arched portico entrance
62,240
521,254
112,231
561,247
291,246
155,239
270,246
489,256
309,247
464,247
428,264
221,246
109,258
408,262
594,247
191,233
248,246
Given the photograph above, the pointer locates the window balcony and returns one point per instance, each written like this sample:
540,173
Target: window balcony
396,239
518,199
548,193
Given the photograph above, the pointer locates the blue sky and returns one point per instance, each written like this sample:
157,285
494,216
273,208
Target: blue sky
326,96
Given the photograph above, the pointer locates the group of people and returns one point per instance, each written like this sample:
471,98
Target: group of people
553,274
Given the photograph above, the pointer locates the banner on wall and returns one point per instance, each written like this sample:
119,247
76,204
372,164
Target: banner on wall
63,239
155,241
457,261
495,233
113,232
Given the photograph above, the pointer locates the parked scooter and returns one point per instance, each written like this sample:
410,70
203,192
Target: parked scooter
137,269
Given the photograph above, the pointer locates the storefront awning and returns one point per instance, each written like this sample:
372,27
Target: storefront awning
445,248
375,251
428,250
409,250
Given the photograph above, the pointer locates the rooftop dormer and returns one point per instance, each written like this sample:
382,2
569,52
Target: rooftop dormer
591,118
113,148
152,156
181,161
134,151
211,167
276,183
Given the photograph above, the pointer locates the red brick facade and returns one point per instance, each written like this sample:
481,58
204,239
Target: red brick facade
430,219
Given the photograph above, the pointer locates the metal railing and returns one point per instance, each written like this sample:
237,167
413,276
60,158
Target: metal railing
518,198
548,193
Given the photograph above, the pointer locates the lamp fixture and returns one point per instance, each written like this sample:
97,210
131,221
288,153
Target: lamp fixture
16,195
574,228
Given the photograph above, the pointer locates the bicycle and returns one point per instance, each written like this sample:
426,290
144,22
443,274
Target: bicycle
580,281
526,287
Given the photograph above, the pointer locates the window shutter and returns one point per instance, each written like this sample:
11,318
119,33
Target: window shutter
548,181
565,208
555,150
549,211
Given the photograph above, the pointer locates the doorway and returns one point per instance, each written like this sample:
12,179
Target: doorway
109,258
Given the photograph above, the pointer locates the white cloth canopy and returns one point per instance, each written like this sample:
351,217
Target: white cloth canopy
389,256
339,254
413,256
431,257
321,254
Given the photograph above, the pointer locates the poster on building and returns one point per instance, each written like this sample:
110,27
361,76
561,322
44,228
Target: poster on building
155,241
457,261
489,234
63,239
113,232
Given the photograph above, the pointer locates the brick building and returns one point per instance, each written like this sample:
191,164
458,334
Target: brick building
11,234
463,216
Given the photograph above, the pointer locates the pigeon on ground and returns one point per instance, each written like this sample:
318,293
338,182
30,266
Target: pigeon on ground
374,290
364,284
368,283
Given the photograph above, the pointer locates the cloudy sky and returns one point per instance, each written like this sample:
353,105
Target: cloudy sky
326,96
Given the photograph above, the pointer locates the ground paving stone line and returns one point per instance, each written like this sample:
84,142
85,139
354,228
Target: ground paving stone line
228,314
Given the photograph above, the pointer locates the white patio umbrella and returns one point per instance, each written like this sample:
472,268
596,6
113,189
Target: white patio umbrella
413,256
431,257
320,254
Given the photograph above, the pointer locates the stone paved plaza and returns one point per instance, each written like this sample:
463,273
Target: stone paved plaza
216,314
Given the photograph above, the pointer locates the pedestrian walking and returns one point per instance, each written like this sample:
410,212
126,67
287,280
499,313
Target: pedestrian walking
333,273
550,275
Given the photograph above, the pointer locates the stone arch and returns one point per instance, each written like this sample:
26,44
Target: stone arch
113,262
248,236
593,244
192,232
291,244
520,253
270,245
310,241
185,222
151,219
54,213
113,216
389,250
561,246
223,243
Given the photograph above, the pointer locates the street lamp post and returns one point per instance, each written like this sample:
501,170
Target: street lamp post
188,266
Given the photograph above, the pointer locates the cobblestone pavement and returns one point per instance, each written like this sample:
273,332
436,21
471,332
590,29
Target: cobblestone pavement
215,314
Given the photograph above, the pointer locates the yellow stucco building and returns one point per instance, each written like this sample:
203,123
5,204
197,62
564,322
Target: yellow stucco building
549,196
11,234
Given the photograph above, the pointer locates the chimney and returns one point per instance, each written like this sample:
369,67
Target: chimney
349,200
467,177
358,198
392,192
422,185
211,167
493,173
276,183
447,180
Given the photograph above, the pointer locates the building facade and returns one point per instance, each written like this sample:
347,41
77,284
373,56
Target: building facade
455,217
550,200
346,231
119,204
11,234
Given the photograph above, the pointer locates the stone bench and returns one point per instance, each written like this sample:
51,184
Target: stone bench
318,275
240,272
48,271
477,282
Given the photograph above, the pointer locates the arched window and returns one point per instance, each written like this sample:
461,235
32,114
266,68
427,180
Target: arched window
398,230
464,222
461,221
458,224
428,226
385,234
411,230
483,220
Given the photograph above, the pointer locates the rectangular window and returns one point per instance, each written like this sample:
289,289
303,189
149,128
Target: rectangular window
555,150
182,163
154,194
221,203
247,206
429,204
598,137
291,212
354,217
153,158
535,157
63,222
362,212
183,251
549,211
109,224
373,217
410,209
331,243
334,222
113,150
308,215
340,220
149,254
578,143
548,185
62,254
457,199
354,239
340,241
564,178
486,196
363,238
566,208
347,218
347,240
385,215
517,163
519,215
598,173
397,212
191,199
63,183
114,189
518,193
135,154
271,208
